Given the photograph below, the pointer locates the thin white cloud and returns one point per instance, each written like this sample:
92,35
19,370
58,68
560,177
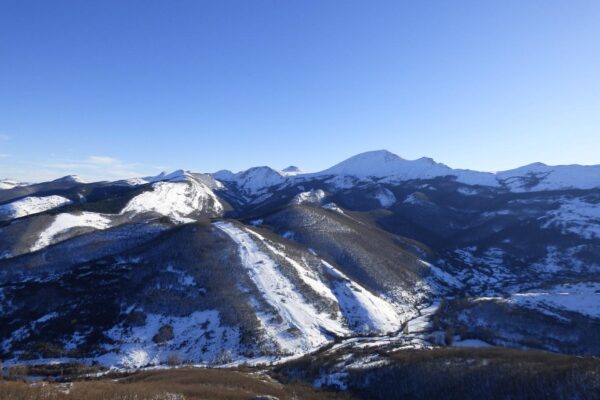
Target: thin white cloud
103,160
93,168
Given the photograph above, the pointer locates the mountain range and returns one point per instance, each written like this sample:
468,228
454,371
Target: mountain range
265,266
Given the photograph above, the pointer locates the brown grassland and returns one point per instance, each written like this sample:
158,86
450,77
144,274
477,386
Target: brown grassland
172,384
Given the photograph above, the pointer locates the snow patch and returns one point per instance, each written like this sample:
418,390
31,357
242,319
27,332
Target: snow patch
333,207
575,216
310,197
198,337
423,322
385,197
65,221
467,191
582,298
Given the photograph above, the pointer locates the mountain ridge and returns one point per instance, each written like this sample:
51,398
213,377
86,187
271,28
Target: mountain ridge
227,268
387,166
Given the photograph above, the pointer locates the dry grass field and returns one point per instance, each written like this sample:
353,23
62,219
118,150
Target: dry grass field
173,384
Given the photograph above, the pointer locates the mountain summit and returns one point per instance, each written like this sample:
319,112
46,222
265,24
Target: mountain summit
291,170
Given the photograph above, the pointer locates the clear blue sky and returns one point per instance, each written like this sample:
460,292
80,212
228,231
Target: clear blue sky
116,88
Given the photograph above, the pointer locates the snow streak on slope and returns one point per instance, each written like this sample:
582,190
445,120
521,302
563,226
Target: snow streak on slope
314,328
177,200
385,197
31,205
333,207
364,312
359,309
65,221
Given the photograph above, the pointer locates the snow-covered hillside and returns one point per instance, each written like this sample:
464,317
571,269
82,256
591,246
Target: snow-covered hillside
357,309
180,197
538,177
31,205
65,221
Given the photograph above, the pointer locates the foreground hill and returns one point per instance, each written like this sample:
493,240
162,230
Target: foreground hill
449,373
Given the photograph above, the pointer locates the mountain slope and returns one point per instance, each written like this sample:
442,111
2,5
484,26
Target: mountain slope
260,265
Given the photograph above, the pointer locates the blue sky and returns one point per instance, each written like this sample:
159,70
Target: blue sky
109,89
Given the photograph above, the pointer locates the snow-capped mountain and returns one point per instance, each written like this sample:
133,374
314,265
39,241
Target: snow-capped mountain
251,181
389,166
384,166
71,179
262,265
291,171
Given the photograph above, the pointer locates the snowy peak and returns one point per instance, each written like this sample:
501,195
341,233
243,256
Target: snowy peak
255,179
179,175
372,163
251,180
71,179
257,172
384,164
381,166
291,171
533,177
387,167
224,175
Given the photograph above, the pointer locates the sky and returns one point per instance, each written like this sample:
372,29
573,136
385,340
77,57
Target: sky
113,89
